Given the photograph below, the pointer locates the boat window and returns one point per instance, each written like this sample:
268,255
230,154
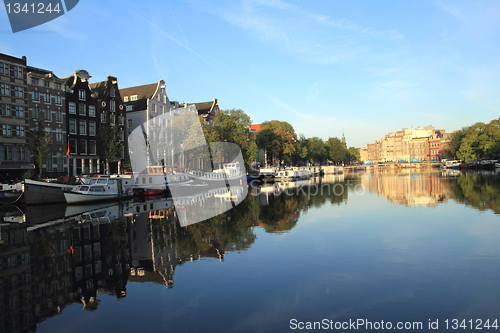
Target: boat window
151,180
144,180
110,182
84,188
97,189
102,181
137,180
150,170
92,181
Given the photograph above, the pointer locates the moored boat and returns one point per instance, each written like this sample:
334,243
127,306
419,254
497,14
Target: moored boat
39,192
10,193
453,164
99,189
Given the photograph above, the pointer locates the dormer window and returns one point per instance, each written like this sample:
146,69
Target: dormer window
133,98
125,99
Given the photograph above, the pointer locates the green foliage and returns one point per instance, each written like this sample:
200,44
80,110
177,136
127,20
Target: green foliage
232,126
475,142
40,142
279,140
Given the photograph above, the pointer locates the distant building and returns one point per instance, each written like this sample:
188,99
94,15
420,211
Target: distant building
46,96
207,110
14,119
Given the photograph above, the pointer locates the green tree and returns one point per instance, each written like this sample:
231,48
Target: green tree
336,152
316,150
232,126
40,141
109,142
354,154
278,138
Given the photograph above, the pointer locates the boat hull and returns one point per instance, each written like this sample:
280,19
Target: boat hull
72,198
36,192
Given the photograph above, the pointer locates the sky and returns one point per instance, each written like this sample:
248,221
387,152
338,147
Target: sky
364,68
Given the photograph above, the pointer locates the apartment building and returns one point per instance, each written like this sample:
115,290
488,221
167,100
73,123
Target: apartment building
46,99
14,119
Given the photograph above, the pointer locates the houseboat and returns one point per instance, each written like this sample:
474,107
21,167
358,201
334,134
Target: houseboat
40,192
229,171
154,181
452,164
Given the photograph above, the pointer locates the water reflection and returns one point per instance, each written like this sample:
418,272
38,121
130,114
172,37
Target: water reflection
54,256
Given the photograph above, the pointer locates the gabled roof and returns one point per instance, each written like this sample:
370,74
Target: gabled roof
98,87
205,108
143,94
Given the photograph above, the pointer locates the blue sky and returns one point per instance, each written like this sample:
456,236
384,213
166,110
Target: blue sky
365,67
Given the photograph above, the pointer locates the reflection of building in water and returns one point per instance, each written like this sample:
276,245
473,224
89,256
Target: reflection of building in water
152,232
410,189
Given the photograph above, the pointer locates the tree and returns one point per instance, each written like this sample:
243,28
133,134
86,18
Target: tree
40,141
454,142
110,145
278,138
316,149
336,152
233,126
354,154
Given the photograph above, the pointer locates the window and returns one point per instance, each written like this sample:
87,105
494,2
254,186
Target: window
35,96
45,83
7,153
129,123
112,119
91,111
57,85
15,71
18,92
72,146
125,99
92,147
120,136
6,110
21,131
34,112
46,98
72,108
59,136
133,98
83,127
6,130
57,100
72,126
4,89
59,162
82,110
48,164
2,70
23,153
18,71
81,95
112,92
34,80
130,107
58,114
19,111
47,115
112,105
83,147
92,128
103,117
121,120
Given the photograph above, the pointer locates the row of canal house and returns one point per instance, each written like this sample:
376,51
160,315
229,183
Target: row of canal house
73,111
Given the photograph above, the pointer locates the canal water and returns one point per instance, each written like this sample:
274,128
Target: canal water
368,251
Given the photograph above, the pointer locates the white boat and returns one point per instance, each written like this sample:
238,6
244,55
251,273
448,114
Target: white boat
98,189
452,164
153,180
293,173
229,171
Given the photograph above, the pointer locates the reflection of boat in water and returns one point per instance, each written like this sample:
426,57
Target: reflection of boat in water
98,189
